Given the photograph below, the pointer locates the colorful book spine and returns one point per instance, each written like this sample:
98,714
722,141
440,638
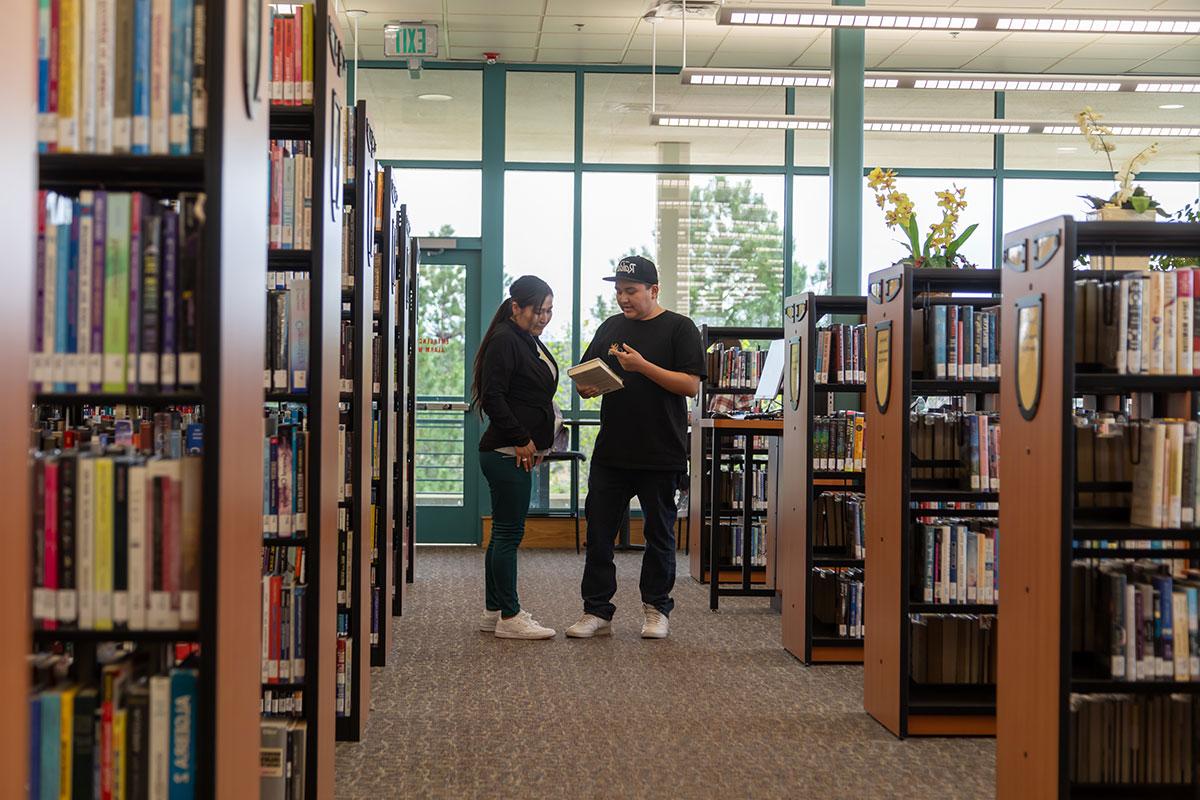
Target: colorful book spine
181,66
142,80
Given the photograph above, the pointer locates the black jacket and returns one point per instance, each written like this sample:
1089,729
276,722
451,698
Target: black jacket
517,391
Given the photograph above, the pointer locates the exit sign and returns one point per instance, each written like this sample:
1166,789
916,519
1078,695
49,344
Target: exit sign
410,40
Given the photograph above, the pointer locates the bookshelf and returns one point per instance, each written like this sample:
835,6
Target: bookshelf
894,693
230,172
357,415
1053,531
709,435
18,221
808,638
404,375
320,126
383,551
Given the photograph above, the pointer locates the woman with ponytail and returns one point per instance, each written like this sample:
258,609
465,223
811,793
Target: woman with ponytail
515,378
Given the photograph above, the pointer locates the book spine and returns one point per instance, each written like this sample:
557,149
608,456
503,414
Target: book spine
276,91
85,77
191,257
287,202
103,547
84,540
47,119
191,519
289,60
180,71
136,539
116,294
199,85
63,296
160,737
151,297
124,54
297,55
133,315
120,544
306,55
160,75
142,78
99,245
68,500
276,183
169,314
1183,358
182,754
83,292
105,80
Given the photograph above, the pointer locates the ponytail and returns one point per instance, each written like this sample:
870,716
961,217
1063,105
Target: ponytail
528,290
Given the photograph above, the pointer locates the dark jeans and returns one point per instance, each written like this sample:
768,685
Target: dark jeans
609,492
510,486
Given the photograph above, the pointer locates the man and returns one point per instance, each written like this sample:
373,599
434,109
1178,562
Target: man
641,447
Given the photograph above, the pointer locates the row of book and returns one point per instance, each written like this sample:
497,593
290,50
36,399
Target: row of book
346,357
1134,739
278,701
116,540
838,601
291,182
131,735
344,669
171,434
953,648
960,342
733,367
841,354
1105,453
291,49
283,597
1136,620
282,754
948,444
1166,478
956,561
117,279
285,365
122,76
1143,324
758,544
732,487
345,560
285,473
346,459
840,523
839,442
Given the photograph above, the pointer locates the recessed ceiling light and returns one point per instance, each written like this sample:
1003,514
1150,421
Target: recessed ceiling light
435,98
1171,106
1067,149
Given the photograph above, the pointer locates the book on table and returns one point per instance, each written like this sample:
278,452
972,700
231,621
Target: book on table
597,375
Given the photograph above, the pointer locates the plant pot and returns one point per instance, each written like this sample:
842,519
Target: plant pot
1121,215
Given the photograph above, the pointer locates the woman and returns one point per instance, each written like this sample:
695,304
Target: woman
515,378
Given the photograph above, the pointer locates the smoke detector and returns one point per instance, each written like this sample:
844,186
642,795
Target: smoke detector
673,9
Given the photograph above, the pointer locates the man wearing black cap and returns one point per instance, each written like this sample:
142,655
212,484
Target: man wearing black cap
641,447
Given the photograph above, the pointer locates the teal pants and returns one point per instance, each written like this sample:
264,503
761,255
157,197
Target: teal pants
510,487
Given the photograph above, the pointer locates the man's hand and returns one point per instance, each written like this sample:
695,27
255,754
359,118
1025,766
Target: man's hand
631,360
525,455
587,392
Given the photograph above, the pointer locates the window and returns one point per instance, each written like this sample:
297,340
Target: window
882,247
441,202
438,116
539,116
1073,153
546,250
944,150
810,234
617,125
1031,200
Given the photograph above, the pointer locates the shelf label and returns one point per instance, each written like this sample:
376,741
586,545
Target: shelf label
883,364
1029,354
410,40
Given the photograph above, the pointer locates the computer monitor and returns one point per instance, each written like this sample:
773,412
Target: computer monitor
770,381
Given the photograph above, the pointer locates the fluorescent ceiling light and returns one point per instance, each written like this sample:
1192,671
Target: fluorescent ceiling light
999,19
979,126
1171,106
961,81
434,97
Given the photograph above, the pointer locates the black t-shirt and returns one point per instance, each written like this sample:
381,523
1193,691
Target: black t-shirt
644,426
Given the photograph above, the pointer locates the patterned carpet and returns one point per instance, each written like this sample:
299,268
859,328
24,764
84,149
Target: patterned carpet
717,710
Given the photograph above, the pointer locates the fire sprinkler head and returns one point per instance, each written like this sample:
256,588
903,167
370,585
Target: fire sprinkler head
491,58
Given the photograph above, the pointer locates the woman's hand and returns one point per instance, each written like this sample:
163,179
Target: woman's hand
525,455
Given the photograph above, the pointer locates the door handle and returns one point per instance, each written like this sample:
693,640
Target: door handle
426,405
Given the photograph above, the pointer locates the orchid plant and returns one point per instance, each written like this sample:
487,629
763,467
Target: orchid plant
1127,195
941,246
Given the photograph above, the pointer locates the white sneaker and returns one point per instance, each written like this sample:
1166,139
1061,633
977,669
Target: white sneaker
590,625
522,626
656,625
487,620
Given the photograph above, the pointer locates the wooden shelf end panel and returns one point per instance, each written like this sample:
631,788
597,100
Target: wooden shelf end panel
952,725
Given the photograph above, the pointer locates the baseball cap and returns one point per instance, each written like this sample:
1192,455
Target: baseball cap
635,268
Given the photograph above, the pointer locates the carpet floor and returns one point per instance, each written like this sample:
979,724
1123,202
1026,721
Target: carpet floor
717,710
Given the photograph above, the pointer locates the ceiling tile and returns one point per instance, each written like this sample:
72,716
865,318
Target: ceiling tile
923,61
592,8
585,40
492,40
1000,62
1042,45
426,9
527,7
1098,66
518,55
591,25
1140,52
764,59
1108,5
567,55
508,23
1168,66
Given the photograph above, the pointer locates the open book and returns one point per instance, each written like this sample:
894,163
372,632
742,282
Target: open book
596,374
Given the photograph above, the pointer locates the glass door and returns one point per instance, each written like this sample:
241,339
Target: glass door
447,433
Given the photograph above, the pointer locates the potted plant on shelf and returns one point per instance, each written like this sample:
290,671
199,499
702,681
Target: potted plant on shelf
1128,203
942,244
